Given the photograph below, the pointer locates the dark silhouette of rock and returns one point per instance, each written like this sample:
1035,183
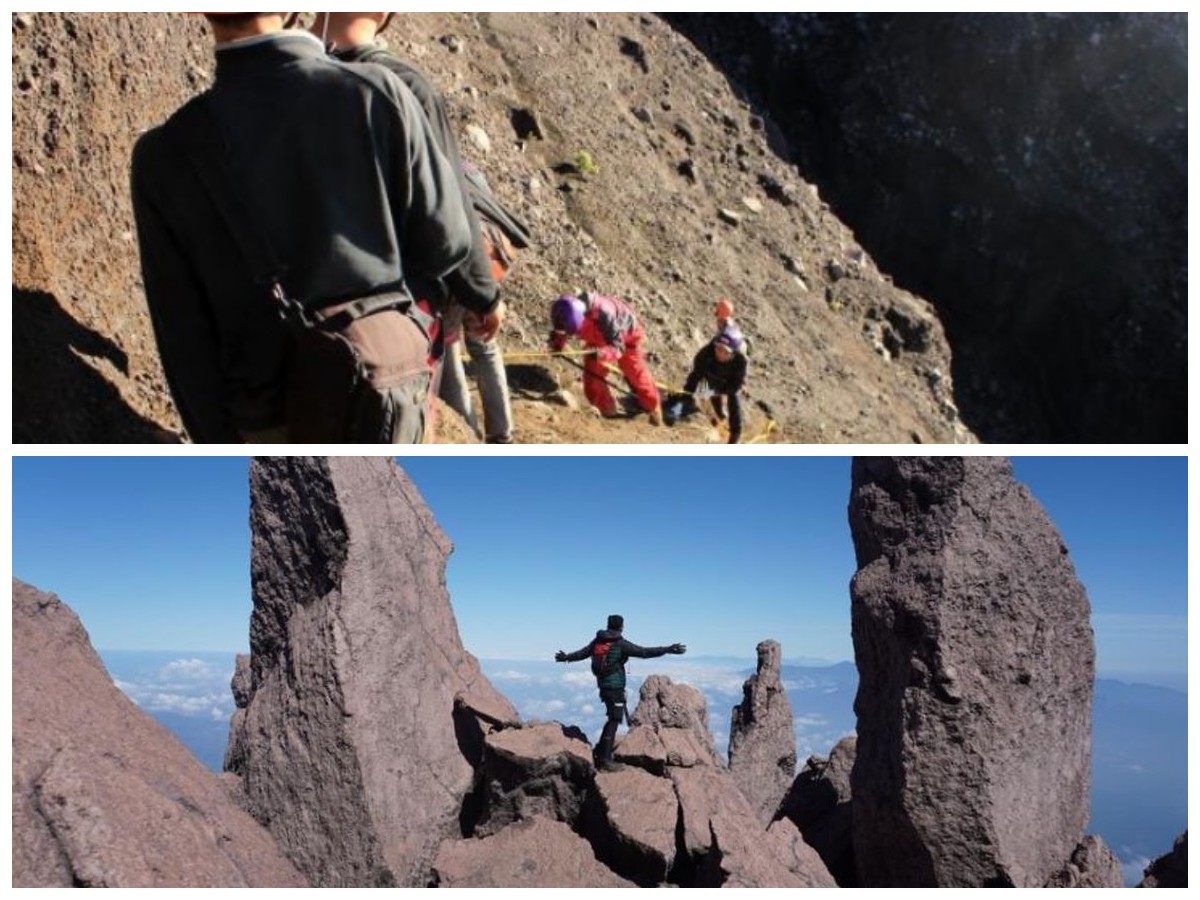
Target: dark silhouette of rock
103,796
670,728
535,771
818,804
762,743
356,748
537,853
1092,865
976,660
1169,870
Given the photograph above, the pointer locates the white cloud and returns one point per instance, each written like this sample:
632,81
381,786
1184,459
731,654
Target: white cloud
1134,870
191,670
809,721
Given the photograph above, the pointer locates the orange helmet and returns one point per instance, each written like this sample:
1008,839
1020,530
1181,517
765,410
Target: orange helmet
724,309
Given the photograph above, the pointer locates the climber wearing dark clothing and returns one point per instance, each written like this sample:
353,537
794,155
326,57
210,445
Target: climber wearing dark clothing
722,365
609,652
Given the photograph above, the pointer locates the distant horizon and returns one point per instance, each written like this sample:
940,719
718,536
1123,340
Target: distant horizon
1174,681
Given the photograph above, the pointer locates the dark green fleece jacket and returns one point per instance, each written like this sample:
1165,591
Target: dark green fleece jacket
337,165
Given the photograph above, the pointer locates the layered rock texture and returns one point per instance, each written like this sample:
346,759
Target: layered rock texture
363,710
976,660
762,742
1169,870
103,796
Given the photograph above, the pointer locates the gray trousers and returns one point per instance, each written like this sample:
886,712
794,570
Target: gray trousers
488,362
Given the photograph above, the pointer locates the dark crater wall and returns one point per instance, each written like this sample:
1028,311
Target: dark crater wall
1025,172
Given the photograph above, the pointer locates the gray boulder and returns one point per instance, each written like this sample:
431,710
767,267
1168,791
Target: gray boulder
1169,870
670,728
977,662
691,825
537,853
640,817
726,845
762,742
365,713
103,796
818,804
540,770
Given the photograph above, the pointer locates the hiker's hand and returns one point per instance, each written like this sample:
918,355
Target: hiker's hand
560,656
485,328
677,649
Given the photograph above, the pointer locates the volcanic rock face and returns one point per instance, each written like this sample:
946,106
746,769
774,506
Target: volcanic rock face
976,664
818,803
102,795
1027,172
1169,871
762,744
363,706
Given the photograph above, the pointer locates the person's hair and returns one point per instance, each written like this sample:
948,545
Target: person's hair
237,20
616,623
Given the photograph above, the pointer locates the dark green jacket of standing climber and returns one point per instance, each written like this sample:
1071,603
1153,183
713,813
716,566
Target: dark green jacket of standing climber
471,284
345,182
619,652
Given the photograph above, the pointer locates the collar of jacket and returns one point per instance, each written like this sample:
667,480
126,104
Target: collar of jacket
354,54
266,51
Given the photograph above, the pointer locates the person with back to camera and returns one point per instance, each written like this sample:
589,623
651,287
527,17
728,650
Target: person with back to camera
609,651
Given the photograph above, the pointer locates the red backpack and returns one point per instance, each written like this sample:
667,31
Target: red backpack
600,664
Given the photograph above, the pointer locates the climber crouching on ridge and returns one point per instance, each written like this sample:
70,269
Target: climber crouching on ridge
607,326
609,651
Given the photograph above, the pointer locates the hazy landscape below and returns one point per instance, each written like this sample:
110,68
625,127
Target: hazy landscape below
1139,754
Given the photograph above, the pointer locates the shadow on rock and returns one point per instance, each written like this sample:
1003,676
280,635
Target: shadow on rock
57,397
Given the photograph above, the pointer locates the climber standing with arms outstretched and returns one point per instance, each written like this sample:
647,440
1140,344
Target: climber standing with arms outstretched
609,651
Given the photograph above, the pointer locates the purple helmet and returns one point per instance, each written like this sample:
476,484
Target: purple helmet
567,314
732,340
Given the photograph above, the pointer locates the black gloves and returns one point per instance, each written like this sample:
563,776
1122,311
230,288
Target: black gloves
677,649
560,656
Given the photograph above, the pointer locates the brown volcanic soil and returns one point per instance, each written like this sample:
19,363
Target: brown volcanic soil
840,355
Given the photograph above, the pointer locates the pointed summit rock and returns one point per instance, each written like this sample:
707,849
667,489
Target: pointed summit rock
762,742
104,796
1170,869
976,662
364,714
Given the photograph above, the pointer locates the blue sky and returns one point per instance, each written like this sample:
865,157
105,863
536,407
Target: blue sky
719,553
